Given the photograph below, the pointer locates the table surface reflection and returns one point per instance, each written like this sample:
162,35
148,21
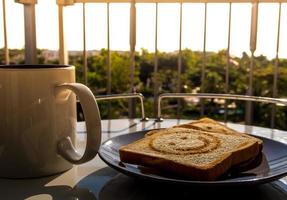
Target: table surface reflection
95,180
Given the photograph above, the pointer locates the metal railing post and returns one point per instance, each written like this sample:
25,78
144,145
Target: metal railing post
132,109
226,88
253,40
179,64
6,50
156,84
109,74
85,61
275,69
202,87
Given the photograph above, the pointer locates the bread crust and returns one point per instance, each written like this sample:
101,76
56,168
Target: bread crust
194,173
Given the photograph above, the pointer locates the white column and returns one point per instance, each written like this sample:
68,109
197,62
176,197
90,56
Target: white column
30,31
63,52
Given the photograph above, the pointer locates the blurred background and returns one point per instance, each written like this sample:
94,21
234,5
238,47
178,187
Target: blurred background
154,47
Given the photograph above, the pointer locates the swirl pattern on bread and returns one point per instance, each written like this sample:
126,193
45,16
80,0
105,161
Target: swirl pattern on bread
184,141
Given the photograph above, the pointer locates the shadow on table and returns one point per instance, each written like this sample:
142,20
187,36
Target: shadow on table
107,184
87,188
123,187
16,189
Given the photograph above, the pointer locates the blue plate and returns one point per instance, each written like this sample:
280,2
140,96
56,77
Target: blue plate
271,165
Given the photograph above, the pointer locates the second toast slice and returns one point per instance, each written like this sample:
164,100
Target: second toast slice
210,125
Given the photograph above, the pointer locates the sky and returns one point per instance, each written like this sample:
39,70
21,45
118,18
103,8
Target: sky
168,27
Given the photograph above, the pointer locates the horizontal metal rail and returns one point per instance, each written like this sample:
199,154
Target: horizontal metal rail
125,96
217,96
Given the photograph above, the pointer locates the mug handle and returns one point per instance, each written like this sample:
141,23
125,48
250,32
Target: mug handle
93,124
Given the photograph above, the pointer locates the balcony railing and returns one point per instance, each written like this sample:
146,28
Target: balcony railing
31,47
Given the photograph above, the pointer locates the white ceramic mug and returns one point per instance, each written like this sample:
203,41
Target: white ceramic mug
38,120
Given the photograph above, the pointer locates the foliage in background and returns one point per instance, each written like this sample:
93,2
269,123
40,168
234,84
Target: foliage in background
166,77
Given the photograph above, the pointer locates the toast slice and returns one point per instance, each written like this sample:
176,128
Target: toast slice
210,125
192,153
